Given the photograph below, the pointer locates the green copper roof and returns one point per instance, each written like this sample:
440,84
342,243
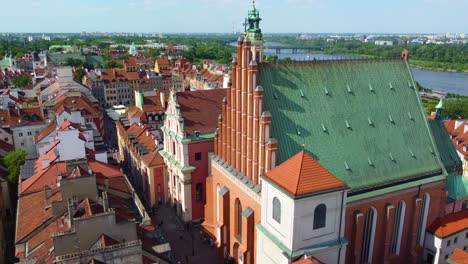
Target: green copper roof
361,119
448,153
456,186
440,104
253,25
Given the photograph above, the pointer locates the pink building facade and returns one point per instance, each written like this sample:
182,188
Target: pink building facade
189,129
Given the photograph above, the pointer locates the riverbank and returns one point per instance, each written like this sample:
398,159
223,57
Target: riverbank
439,66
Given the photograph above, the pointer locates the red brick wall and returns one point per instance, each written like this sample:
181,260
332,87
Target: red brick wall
385,217
249,236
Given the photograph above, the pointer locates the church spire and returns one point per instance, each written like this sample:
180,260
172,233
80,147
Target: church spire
253,24
440,109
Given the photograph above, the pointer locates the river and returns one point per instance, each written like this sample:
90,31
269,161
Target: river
450,82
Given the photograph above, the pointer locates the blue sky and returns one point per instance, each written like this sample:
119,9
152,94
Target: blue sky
340,16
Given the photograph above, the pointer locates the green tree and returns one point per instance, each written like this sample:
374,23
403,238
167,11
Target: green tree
112,64
79,74
74,62
456,108
21,81
13,161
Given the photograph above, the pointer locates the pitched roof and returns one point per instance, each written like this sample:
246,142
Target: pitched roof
153,159
449,224
361,119
33,211
456,186
45,132
308,260
459,256
48,176
304,175
201,109
447,151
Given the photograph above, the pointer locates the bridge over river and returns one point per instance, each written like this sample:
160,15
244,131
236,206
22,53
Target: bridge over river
294,49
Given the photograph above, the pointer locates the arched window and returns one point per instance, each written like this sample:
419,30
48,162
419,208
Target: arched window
369,235
423,218
398,228
277,210
320,216
238,220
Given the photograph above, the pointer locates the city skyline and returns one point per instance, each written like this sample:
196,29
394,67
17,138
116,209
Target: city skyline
200,16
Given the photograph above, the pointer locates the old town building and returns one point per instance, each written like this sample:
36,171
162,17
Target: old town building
309,149
189,130
458,130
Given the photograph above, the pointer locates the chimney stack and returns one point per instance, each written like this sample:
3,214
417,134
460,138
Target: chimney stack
71,209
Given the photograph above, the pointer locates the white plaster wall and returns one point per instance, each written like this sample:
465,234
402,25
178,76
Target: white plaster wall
26,141
71,147
268,252
282,231
304,235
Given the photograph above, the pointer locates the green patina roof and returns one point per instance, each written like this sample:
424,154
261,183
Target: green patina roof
448,153
456,186
361,119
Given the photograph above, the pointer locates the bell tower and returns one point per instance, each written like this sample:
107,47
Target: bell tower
254,33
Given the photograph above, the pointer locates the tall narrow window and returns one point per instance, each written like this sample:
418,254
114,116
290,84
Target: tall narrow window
369,235
277,210
218,189
238,220
398,228
423,218
320,216
199,192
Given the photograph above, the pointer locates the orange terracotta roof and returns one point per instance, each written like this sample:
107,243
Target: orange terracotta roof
201,109
74,103
48,176
152,159
45,132
33,211
308,260
449,224
162,61
459,256
301,174
153,104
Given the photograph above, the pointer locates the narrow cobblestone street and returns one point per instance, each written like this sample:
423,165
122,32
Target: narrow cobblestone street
184,251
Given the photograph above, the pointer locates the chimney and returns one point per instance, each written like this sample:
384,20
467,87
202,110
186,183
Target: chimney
162,96
106,184
105,201
71,209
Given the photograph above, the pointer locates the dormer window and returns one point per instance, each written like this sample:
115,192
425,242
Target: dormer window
320,216
277,210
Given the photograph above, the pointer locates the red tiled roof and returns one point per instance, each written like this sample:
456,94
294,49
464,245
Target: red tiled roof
153,104
301,174
201,109
459,256
45,132
162,61
76,103
308,260
153,159
449,224
48,176
33,211
460,136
